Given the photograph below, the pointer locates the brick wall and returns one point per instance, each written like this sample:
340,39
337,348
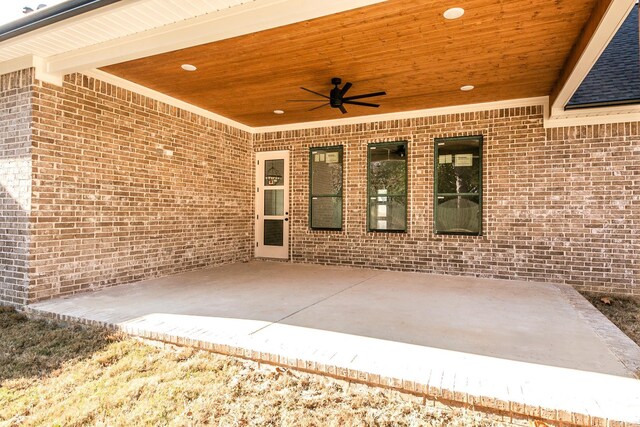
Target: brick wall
560,205
127,188
15,184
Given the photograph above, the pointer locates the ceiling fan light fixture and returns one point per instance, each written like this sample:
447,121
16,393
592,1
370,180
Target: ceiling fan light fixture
467,88
453,13
188,67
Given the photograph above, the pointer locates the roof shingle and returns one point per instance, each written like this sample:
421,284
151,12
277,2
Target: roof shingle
615,77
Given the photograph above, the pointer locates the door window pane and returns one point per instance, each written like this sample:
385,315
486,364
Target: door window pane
387,187
273,232
458,185
274,172
273,202
325,174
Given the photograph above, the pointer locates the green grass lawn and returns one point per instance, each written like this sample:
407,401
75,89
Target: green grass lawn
53,374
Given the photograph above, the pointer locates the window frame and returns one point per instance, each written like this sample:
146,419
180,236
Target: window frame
341,194
406,186
480,140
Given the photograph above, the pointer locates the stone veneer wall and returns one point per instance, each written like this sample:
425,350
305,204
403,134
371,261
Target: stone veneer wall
560,205
15,184
127,188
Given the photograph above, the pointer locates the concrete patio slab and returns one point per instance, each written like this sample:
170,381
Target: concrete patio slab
518,348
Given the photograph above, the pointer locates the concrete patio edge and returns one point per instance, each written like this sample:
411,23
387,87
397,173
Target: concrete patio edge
509,408
623,347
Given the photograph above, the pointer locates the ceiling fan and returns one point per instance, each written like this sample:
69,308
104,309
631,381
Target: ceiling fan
337,97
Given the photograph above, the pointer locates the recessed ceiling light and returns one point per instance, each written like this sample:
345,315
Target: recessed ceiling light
453,13
278,112
467,88
189,67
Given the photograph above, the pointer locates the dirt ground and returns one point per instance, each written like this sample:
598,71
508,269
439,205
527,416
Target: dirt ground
623,311
53,374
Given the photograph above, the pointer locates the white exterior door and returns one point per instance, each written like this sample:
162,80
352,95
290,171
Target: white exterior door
272,204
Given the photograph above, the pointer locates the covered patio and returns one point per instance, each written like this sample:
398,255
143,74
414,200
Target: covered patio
159,158
521,349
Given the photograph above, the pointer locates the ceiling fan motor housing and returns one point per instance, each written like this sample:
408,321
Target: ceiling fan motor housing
335,99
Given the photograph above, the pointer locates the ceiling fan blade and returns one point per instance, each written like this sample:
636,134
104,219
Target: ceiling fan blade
364,104
345,88
315,93
305,100
344,110
319,106
366,95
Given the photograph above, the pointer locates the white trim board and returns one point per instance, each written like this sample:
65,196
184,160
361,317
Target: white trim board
17,64
159,96
31,61
429,112
592,116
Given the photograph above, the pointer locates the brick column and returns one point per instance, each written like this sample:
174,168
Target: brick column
16,94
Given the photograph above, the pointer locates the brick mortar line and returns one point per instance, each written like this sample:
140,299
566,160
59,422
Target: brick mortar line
488,404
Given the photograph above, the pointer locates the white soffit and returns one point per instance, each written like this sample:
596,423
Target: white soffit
133,29
108,23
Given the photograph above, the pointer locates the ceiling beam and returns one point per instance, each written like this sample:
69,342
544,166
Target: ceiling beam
251,17
604,22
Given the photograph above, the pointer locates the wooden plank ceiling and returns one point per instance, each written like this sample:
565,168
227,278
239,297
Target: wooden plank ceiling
507,49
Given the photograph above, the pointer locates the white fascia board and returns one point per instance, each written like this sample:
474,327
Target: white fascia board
614,18
430,112
595,116
31,61
42,73
159,96
244,19
17,64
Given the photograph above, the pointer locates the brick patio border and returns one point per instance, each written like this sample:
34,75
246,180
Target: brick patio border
623,347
